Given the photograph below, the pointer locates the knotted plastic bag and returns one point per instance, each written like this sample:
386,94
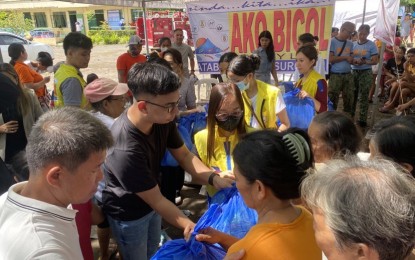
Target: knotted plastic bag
300,111
228,213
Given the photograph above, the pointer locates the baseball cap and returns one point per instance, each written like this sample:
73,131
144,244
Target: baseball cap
134,40
102,88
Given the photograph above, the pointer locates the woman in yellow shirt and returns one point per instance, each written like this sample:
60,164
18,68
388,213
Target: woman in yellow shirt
263,102
269,167
225,125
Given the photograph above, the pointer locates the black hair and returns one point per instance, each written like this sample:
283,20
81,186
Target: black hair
339,133
265,156
334,29
395,138
163,39
15,50
310,52
91,77
365,27
44,58
151,78
178,29
411,50
227,57
242,65
307,38
76,40
176,55
270,49
158,60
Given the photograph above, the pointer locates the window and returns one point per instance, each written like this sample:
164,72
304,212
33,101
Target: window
136,13
99,17
59,19
8,39
40,20
27,16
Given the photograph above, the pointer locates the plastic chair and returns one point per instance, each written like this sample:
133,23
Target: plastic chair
206,85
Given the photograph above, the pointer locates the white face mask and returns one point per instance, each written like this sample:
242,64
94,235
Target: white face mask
163,49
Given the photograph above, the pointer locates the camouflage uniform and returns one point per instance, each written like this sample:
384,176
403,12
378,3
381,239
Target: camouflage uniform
342,82
362,81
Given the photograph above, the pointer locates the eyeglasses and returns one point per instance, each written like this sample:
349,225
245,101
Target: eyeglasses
224,117
169,107
350,32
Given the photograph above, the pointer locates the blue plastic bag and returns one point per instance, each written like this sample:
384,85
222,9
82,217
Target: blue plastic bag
193,122
227,213
168,159
300,111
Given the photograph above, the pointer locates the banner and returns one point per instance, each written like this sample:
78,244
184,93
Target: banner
385,29
219,27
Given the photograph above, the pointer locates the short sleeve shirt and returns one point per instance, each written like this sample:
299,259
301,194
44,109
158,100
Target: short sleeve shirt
126,61
335,48
365,50
186,52
132,165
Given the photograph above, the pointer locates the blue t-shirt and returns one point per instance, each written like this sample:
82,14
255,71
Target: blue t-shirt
366,50
335,48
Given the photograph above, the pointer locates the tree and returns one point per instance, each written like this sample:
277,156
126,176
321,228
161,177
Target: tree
15,21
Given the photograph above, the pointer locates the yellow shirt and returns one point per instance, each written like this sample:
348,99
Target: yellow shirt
294,241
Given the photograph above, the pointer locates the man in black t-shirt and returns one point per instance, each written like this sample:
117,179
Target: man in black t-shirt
131,198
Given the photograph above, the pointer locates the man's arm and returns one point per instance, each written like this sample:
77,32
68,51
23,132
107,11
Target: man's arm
166,208
192,66
200,172
121,78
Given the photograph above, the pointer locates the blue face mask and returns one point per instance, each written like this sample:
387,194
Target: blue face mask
242,86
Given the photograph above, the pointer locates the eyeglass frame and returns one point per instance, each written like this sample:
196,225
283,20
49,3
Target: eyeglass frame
169,108
226,116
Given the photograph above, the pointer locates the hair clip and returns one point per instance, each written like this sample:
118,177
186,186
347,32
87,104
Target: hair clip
297,146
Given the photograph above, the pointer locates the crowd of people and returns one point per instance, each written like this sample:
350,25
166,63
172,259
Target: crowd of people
94,157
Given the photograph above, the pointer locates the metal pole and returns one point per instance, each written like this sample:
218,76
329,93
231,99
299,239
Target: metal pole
364,12
145,25
375,98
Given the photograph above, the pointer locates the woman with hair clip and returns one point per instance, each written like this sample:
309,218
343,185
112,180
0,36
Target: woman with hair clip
266,53
263,103
28,77
309,39
19,110
225,126
311,83
269,167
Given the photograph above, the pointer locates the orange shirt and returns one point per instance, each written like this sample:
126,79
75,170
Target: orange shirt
281,241
27,75
126,61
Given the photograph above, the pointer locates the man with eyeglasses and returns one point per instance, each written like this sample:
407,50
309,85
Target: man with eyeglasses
132,199
341,78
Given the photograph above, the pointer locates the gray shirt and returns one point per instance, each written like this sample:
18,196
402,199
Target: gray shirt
187,53
264,71
187,95
72,92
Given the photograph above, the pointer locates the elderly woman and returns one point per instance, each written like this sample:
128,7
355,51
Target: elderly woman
362,209
269,167
333,134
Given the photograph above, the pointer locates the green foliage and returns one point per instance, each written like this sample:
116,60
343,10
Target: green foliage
15,21
104,35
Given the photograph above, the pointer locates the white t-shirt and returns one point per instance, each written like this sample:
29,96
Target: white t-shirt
279,106
33,229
